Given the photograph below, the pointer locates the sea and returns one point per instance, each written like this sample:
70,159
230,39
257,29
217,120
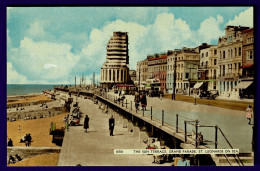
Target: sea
23,89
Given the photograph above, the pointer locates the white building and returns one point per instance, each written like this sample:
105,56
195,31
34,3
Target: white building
116,68
209,66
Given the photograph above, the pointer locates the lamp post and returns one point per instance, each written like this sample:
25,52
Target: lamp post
139,81
174,77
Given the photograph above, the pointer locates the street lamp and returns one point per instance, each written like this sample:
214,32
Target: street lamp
139,81
174,76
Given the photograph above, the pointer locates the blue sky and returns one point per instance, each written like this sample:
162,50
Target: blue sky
53,44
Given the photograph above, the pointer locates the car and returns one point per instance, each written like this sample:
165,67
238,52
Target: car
115,91
208,95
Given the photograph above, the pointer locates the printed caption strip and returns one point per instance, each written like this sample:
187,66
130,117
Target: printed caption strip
176,151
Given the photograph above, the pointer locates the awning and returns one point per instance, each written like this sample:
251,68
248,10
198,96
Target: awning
122,85
198,85
247,66
243,84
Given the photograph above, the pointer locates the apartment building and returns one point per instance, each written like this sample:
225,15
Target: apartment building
209,67
157,65
116,68
230,60
246,86
187,63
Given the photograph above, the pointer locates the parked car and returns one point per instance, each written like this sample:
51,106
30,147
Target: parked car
208,95
115,91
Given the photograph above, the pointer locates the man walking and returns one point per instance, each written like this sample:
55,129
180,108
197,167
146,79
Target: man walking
111,125
86,121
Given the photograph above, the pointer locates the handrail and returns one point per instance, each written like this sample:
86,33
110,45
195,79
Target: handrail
226,156
231,147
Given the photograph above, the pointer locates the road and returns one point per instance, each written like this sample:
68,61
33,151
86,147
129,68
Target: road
232,122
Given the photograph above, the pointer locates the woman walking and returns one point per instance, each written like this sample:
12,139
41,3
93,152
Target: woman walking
86,126
249,114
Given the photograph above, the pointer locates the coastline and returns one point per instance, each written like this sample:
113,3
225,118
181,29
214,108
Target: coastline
25,95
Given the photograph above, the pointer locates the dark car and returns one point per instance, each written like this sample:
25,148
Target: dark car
115,91
208,95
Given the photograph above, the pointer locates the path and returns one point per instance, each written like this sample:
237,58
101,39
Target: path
96,148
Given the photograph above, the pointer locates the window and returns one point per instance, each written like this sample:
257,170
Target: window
224,55
235,52
207,54
231,53
249,54
202,55
186,75
215,52
215,61
239,51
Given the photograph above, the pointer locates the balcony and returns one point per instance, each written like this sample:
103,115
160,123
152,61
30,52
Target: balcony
116,53
204,67
230,75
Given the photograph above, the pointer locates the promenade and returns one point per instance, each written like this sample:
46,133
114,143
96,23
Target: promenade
232,122
96,148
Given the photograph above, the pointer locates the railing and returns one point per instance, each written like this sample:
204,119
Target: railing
230,75
216,138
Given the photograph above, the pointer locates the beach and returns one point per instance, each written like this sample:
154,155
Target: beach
34,119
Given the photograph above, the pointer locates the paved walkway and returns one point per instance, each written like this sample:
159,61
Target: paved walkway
96,148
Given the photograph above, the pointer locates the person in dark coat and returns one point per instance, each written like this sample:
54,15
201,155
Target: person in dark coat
10,142
111,125
137,100
143,101
86,125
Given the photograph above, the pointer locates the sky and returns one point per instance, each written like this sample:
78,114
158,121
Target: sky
52,45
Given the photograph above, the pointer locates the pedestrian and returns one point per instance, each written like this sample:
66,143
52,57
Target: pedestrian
161,95
111,125
19,128
137,100
10,142
249,114
86,121
143,101
11,159
183,161
18,158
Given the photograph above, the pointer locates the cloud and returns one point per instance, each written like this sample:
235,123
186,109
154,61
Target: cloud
47,55
48,66
43,61
14,77
245,18
37,31
210,29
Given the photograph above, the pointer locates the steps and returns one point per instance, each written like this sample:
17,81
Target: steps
246,158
